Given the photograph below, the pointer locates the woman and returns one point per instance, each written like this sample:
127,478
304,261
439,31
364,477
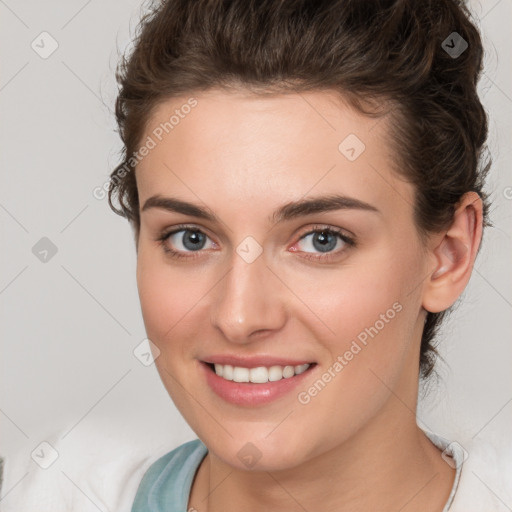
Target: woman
305,184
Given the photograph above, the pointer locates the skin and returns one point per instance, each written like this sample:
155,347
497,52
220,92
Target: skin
356,445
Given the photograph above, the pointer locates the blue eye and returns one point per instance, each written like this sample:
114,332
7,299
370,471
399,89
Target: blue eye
319,244
183,240
326,241
190,240
323,241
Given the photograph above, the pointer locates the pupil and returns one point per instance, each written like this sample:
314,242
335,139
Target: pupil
326,240
193,240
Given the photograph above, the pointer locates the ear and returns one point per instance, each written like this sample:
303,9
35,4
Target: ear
453,254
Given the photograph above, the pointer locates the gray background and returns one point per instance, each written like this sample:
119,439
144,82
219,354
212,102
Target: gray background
69,326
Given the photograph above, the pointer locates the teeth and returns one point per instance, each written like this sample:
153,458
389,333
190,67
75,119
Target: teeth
259,375
240,374
219,369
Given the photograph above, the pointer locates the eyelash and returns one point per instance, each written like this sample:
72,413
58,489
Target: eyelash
326,257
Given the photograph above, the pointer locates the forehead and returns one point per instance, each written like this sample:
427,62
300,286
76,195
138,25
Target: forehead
241,149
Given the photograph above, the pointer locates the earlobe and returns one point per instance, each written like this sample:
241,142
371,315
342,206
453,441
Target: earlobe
454,255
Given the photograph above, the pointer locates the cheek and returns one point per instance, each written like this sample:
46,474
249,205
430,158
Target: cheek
167,296
370,315
369,305
347,301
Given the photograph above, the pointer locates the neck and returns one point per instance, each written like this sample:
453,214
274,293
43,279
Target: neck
396,468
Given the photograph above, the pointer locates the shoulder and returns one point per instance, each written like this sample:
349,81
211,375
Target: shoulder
178,459
485,481
97,466
167,482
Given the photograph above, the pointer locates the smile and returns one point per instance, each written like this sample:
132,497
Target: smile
260,374
258,385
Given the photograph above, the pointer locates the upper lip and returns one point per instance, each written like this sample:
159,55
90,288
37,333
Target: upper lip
254,361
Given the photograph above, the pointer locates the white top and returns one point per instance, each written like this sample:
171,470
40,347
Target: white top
90,471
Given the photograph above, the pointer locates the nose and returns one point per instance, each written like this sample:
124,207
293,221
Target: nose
249,301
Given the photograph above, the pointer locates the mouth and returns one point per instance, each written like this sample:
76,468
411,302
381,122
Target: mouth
258,374
257,385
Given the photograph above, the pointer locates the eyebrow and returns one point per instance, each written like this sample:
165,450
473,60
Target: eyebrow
288,211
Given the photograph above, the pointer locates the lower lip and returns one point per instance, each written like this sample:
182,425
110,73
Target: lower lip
248,393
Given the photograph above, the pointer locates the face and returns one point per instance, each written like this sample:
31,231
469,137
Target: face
241,262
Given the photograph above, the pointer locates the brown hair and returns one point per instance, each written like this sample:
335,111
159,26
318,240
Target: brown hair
396,55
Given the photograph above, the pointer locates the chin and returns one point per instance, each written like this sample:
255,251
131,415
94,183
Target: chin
258,454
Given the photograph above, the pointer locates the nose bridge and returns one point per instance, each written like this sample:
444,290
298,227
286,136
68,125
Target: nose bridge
248,299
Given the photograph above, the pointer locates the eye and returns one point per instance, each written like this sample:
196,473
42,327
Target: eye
182,240
326,242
